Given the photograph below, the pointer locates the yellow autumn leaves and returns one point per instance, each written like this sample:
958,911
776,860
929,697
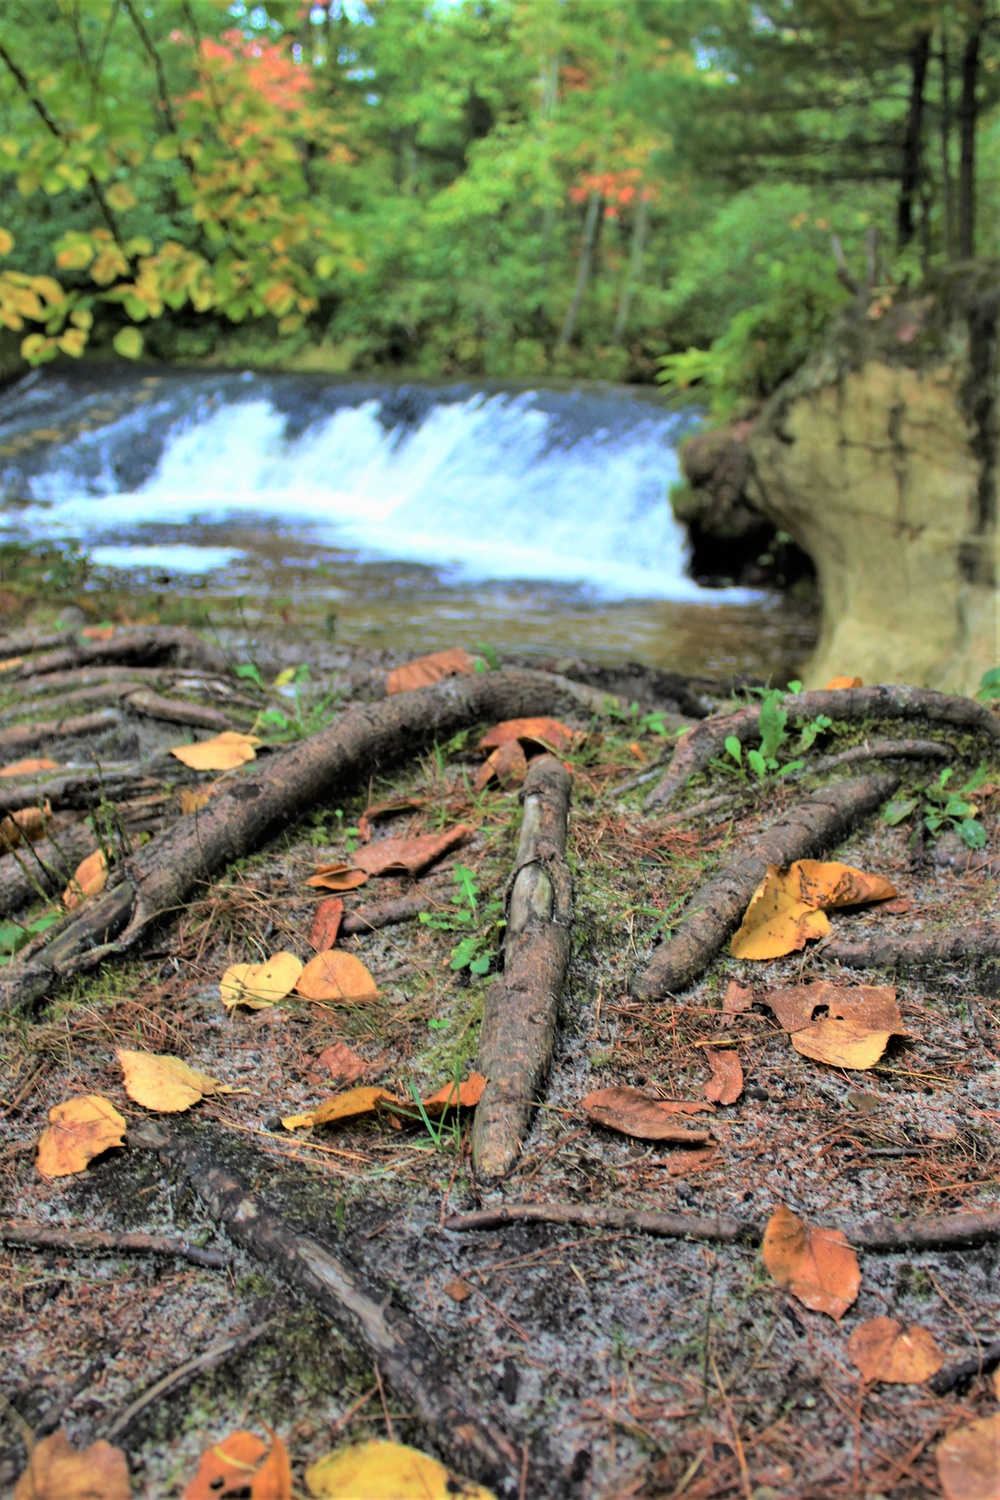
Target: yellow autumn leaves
333,977
789,906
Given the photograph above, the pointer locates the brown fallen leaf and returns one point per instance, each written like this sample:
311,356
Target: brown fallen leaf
968,1461
425,670
817,1266
458,1291
899,906
842,682
10,663
465,1095
224,752
847,1026
260,985
507,765
789,906
384,810
634,1113
336,977
326,924
534,734
341,1063
737,999
337,878
726,1083
164,1083
29,767
409,856
90,877
887,1350
24,826
78,1130
97,632
242,1464
58,1471
683,1163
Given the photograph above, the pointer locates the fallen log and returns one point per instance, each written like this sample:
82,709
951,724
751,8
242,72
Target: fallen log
99,1242
713,914
519,1020
887,950
150,645
403,1352
696,749
162,876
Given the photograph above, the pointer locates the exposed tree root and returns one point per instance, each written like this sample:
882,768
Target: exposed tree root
966,1369
151,645
881,750
174,711
884,951
98,1242
715,911
386,913
162,876
696,749
13,742
403,1352
519,1020
81,789
45,867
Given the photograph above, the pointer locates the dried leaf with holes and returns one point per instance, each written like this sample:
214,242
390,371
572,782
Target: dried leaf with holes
326,924
534,734
243,1464
259,985
164,1083
29,767
58,1471
336,977
507,765
847,1026
817,1266
634,1113
224,752
409,856
842,682
968,1461
339,877
887,1350
425,670
90,878
726,1083
788,907
78,1130
379,1470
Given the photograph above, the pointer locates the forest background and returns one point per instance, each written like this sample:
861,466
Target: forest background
609,189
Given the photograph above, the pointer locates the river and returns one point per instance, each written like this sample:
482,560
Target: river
393,514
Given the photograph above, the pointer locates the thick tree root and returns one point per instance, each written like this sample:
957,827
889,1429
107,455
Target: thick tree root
887,951
162,876
387,913
966,1369
519,1021
45,867
696,749
817,823
82,789
152,645
174,711
402,1351
97,1242
14,742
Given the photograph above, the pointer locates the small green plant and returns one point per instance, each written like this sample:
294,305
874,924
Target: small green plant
445,1134
763,762
310,713
989,688
474,951
250,672
653,722
489,660
14,936
948,809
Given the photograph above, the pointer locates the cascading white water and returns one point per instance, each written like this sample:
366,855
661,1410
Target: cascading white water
568,487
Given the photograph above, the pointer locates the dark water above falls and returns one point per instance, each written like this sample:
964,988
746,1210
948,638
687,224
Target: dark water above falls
417,515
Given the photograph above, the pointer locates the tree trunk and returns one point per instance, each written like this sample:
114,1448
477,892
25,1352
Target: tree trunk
968,110
634,271
947,181
909,177
590,223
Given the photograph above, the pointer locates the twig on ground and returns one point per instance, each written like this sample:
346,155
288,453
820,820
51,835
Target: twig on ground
101,1242
519,1020
152,645
386,913
174,711
965,1369
816,823
888,950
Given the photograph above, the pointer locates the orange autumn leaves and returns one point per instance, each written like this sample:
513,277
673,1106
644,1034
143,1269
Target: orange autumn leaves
332,977
789,906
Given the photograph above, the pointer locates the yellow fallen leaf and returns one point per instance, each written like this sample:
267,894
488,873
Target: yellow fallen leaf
886,1350
192,802
224,752
91,877
360,1101
78,1130
380,1470
817,1266
260,985
968,1461
58,1471
285,678
297,1122
829,884
336,976
164,1083
776,923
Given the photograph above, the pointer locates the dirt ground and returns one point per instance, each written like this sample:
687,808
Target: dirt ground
624,1365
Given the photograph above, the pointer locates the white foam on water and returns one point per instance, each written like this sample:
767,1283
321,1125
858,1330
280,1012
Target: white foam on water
489,486
172,557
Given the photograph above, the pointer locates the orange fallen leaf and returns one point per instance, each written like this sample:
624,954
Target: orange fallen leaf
968,1461
336,976
847,1026
11,663
273,1480
409,856
192,801
384,810
58,1471
634,1113
842,682
78,1130
829,884
507,765
458,1291
224,752
360,1101
24,826
340,1062
29,767
537,734
90,877
737,999
789,906
887,1350
243,1464
425,670
260,985
337,878
326,924
466,1095
817,1266
97,632
726,1083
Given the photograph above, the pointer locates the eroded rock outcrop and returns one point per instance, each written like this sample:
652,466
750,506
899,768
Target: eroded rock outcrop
880,458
